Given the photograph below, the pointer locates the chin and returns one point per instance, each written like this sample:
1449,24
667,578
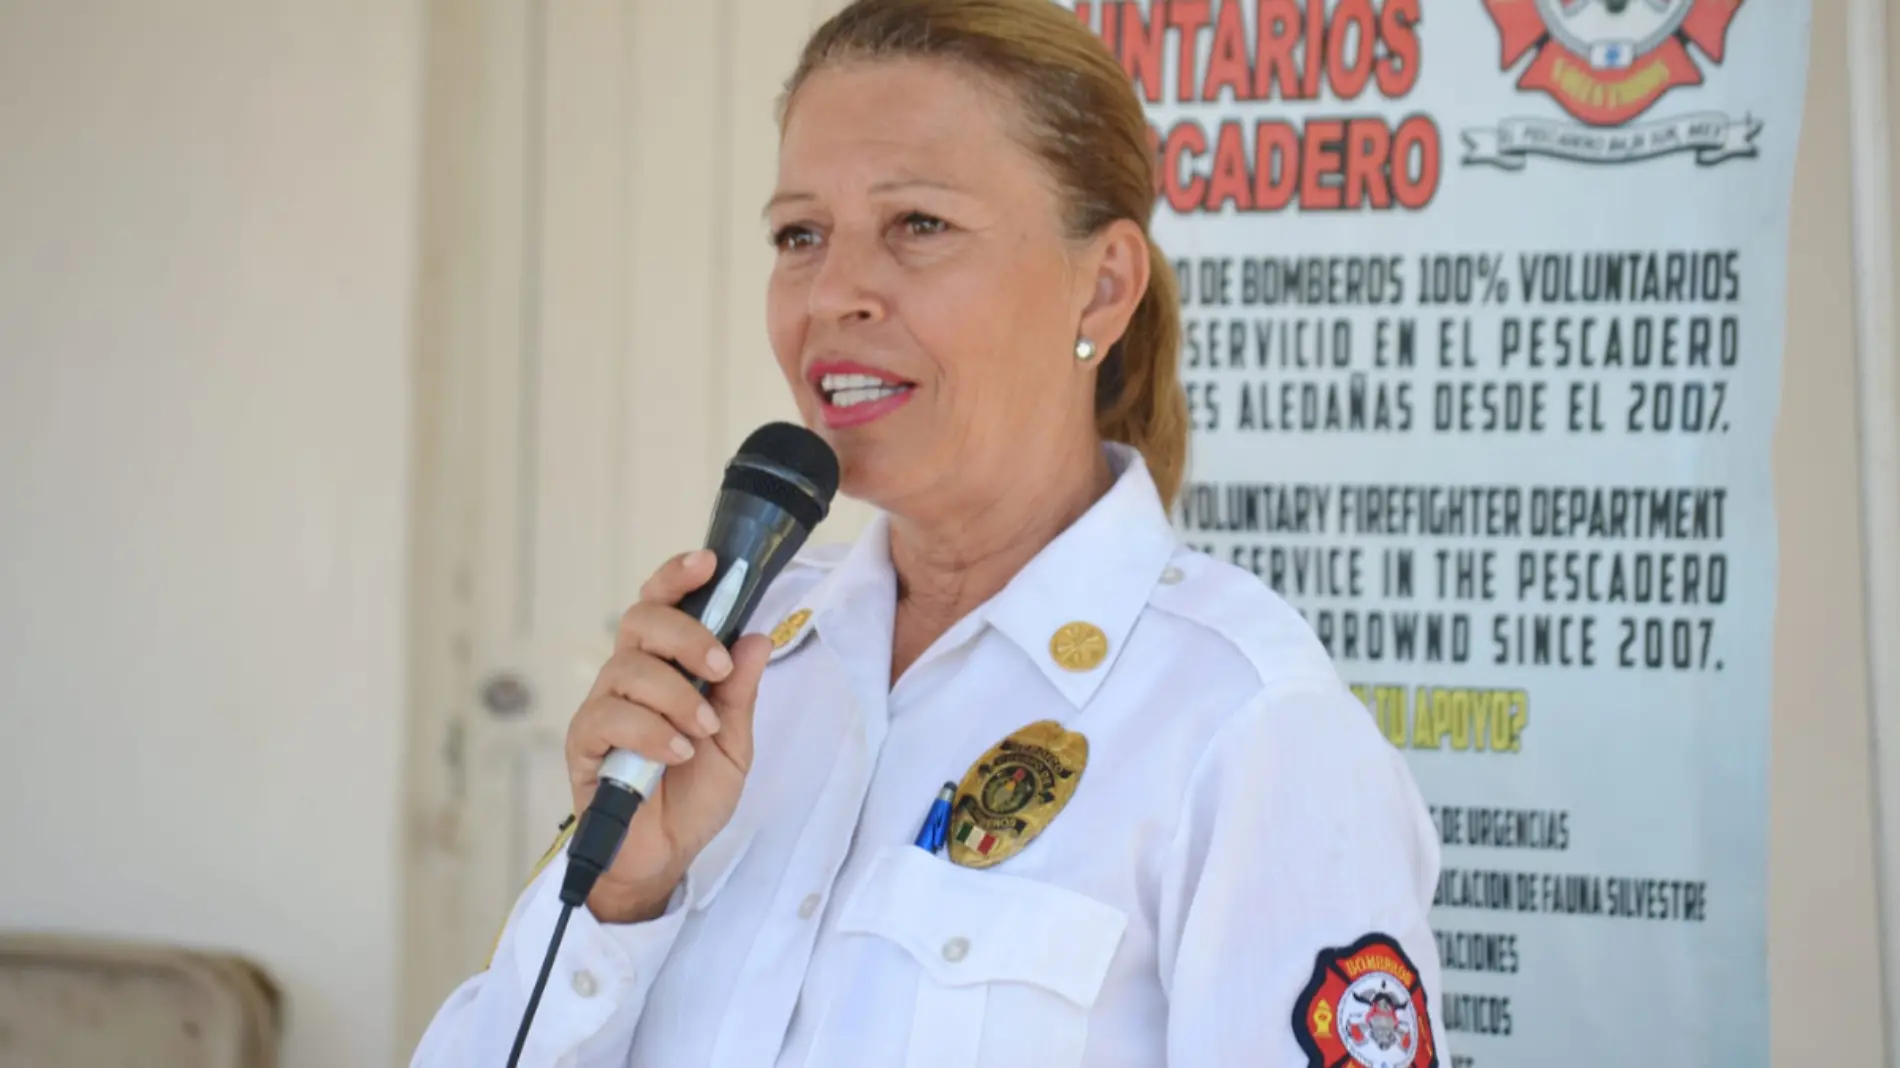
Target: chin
871,475
860,477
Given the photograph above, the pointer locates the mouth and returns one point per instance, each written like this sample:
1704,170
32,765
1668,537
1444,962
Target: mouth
853,394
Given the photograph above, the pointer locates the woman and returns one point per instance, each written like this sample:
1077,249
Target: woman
1176,838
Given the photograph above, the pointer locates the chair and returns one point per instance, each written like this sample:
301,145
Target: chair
70,1002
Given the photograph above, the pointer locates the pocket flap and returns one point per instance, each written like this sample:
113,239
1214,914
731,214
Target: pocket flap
965,926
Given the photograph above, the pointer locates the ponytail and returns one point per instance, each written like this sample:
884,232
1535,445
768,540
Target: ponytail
1138,396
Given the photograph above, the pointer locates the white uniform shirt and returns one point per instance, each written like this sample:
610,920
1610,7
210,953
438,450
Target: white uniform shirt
1241,856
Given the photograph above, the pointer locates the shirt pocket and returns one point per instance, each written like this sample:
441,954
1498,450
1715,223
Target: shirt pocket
1010,967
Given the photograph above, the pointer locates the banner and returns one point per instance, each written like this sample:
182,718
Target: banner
1484,320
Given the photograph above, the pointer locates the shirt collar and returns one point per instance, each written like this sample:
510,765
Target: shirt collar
1097,575
859,591
1094,579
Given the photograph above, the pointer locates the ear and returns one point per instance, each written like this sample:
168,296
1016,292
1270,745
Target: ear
1119,258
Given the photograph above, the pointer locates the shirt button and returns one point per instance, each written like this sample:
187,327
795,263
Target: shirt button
956,949
584,984
808,907
1171,576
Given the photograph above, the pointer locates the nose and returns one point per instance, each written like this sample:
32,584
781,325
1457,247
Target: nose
847,286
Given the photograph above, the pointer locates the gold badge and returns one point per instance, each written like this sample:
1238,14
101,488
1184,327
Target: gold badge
1015,791
789,627
1079,646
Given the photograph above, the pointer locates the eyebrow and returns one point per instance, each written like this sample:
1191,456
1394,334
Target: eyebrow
879,188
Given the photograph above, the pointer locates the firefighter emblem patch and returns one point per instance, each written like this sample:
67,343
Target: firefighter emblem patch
1365,1005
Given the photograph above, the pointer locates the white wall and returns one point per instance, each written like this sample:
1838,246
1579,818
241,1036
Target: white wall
206,231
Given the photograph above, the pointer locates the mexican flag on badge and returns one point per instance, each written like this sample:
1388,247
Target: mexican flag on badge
969,834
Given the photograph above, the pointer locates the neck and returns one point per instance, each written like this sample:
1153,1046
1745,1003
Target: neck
950,563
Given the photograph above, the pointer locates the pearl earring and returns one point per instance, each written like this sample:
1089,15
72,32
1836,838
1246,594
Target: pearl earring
1084,350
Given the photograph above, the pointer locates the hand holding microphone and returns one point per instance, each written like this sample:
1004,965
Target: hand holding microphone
657,771
659,751
642,704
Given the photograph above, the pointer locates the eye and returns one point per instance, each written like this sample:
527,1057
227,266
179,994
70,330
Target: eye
921,225
794,237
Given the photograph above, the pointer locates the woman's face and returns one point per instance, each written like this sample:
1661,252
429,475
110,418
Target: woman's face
925,302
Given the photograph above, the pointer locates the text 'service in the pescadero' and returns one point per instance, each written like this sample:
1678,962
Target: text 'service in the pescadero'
1483,325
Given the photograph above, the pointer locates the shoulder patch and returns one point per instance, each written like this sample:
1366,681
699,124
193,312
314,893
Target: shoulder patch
1365,1005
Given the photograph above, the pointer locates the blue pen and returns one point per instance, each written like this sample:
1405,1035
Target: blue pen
937,825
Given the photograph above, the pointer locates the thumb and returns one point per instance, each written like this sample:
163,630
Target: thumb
734,697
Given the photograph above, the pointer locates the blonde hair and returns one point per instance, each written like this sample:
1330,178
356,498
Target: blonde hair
1083,121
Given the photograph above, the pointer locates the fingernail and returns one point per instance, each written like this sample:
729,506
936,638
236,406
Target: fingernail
700,556
683,747
708,719
719,661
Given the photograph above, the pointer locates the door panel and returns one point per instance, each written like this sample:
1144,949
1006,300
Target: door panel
472,579
763,46
574,345
669,453
592,350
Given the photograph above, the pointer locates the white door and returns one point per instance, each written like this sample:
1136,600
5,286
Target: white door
592,349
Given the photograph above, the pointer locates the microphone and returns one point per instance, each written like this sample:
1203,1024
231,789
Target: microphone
776,489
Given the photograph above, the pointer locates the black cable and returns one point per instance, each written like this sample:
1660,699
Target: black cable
540,984
590,851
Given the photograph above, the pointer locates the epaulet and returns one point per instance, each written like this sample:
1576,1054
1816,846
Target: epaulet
1236,606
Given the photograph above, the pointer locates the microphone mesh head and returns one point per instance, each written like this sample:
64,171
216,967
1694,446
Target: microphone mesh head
797,452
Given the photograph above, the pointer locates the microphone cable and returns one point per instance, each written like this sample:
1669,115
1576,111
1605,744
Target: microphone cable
589,853
540,984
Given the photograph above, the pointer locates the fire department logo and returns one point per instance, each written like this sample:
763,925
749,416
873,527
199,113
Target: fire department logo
1380,1025
1365,1005
1607,62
